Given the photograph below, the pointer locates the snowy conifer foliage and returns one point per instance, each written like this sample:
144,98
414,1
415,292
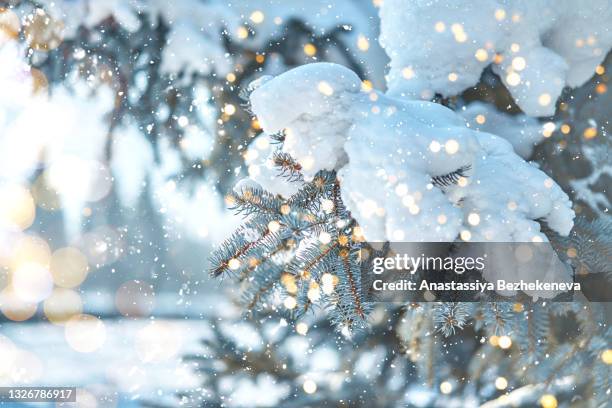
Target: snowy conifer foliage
340,163
419,157
193,194
536,47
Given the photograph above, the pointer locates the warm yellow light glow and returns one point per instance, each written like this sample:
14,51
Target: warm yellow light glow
519,63
366,85
42,31
446,387
15,308
62,305
481,55
590,133
565,128
501,383
310,387
544,99
408,73
474,219
9,25
301,328
451,146
505,342
290,302
17,207
274,226
68,267
513,79
548,401
362,43
310,49
242,32
325,88
257,17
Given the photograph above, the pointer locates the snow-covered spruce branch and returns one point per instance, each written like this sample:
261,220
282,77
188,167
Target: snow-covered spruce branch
431,175
163,66
379,165
305,245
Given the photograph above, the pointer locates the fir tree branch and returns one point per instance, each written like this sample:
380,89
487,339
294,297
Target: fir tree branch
446,180
254,201
288,167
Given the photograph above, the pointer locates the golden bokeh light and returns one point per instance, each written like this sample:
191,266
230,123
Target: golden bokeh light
45,196
362,43
17,207
310,49
242,32
40,84
325,88
62,305
9,25
301,328
257,17
446,387
408,73
590,132
481,55
310,387
548,401
30,249
68,267
43,32
505,342
14,308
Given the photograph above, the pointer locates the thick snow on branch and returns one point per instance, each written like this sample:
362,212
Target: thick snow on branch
198,29
409,170
537,47
523,132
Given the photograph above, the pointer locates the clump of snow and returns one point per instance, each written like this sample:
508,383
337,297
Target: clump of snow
388,153
294,101
261,168
245,184
536,47
523,132
197,29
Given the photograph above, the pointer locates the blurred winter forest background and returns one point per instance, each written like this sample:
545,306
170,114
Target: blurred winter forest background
124,126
